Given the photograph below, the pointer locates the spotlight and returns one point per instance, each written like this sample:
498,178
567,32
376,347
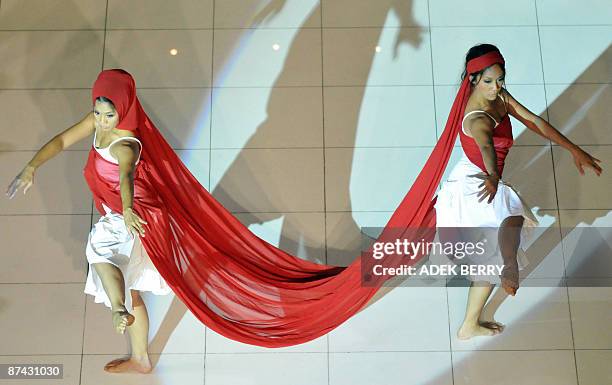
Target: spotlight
173,51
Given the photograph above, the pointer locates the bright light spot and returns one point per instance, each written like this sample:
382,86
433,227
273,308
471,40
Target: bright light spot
275,47
173,51
378,49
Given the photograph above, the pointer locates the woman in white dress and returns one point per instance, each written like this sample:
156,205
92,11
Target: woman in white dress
119,267
473,198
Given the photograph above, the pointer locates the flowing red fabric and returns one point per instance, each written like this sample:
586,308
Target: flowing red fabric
232,281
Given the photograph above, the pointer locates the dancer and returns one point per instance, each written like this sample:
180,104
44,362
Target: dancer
475,195
234,282
117,262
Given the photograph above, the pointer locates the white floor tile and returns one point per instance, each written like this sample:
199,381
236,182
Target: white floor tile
43,14
146,55
587,191
370,179
594,366
589,62
581,112
587,245
518,367
50,59
390,368
42,318
267,117
382,13
519,45
45,113
529,169
570,12
58,251
181,115
267,57
400,116
144,14
406,319
482,13
376,56
536,318
591,313
263,14
167,369
272,369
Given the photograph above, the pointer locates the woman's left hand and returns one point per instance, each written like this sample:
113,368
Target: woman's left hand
133,222
583,159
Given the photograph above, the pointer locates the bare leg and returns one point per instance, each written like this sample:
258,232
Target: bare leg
139,339
472,326
509,237
114,286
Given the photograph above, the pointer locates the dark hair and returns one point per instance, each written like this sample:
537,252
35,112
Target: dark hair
103,99
476,51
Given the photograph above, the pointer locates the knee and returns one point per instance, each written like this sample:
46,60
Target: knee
513,221
136,298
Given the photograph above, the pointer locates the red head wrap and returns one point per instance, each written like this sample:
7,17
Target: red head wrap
119,86
481,62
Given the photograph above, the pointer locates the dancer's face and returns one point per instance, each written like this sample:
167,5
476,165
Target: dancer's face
106,117
490,83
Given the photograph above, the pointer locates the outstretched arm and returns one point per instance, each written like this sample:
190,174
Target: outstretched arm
57,144
543,128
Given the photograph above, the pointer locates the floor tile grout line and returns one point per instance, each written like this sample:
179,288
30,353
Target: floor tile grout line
322,42
543,350
433,77
92,209
299,212
552,146
310,28
433,86
552,156
407,85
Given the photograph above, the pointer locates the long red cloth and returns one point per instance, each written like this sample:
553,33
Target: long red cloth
234,282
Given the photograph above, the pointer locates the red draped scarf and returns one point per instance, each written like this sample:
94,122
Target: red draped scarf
234,282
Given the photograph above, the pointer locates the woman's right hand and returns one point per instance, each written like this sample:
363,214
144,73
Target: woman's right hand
24,179
489,186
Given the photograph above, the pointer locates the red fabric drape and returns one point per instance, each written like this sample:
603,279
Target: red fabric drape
234,282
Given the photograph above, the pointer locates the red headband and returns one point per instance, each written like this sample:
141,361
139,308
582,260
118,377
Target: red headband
481,62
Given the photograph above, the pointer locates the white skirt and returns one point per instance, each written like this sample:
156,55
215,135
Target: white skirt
110,242
458,206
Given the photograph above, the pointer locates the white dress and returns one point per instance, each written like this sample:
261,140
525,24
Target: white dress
457,206
110,242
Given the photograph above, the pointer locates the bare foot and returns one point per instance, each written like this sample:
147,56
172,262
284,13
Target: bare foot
493,325
466,332
127,365
510,279
121,319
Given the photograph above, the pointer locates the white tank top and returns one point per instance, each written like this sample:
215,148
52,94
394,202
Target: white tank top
105,152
